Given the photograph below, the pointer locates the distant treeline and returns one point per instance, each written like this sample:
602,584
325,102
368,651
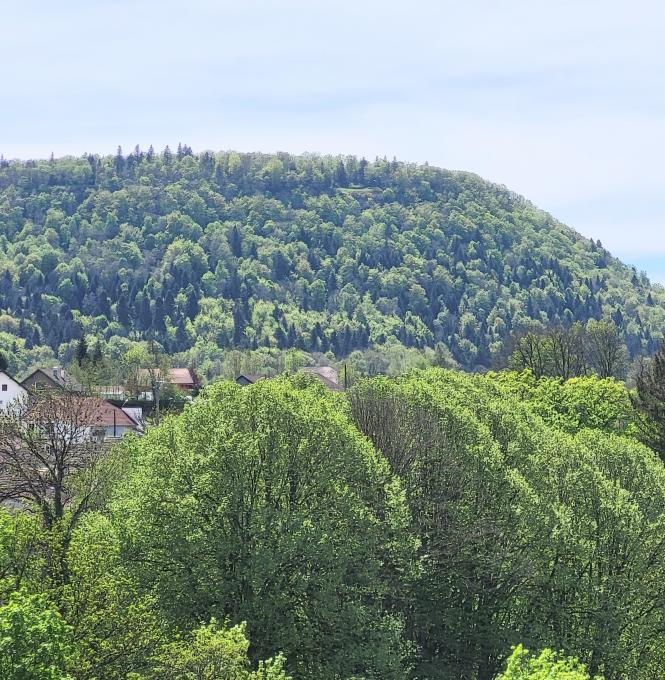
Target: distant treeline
211,251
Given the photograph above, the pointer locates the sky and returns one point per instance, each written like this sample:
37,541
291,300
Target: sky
563,102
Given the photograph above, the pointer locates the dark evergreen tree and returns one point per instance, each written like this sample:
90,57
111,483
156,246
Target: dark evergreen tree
341,179
280,265
235,241
97,356
81,351
123,310
649,400
292,336
119,161
239,325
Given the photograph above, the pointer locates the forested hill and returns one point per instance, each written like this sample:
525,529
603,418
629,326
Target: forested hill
213,250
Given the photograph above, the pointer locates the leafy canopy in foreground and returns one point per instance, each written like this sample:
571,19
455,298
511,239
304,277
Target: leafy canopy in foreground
212,652
547,665
263,504
574,404
413,527
527,533
34,640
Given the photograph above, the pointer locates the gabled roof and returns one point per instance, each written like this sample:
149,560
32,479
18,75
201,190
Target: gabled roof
251,377
327,372
182,376
335,387
178,376
81,410
58,377
105,413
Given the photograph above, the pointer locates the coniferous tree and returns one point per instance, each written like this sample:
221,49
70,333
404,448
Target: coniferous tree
239,325
235,241
81,351
280,265
123,310
650,401
341,179
119,161
97,355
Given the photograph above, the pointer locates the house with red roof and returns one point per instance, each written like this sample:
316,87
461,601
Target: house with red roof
184,379
109,421
99,419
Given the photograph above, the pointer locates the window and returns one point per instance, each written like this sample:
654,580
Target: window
4,388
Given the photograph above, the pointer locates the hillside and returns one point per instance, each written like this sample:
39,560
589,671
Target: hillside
210,251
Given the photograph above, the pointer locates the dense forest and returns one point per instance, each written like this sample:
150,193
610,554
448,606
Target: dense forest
211,251
422,524
417,527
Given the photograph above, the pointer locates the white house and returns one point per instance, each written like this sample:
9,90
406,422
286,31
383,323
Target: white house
10,390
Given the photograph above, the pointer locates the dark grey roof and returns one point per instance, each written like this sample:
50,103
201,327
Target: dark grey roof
250,377
58,377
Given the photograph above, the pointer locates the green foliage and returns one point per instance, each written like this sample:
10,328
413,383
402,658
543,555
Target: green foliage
412,527
548,665
521,524
21,561
114,625
263,504
575,404
190,249
34,640
572,351
214,653
649,401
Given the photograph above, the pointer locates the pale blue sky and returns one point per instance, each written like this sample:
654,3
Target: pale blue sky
562,101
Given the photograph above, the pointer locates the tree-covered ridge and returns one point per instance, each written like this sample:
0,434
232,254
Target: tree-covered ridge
216,250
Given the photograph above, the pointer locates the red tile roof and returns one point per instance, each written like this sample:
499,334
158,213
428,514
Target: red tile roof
177,376
103,414
182,376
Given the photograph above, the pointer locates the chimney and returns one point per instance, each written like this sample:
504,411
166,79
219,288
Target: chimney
56,372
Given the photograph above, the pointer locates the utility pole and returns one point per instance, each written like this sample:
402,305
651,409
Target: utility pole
158,389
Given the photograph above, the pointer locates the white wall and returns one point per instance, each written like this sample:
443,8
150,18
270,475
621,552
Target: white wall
120,431
9,390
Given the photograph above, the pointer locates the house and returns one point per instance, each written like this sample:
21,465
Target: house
136,414
109,421
326,374
10,390
92,417
44,378
77,418
185,379
249,379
